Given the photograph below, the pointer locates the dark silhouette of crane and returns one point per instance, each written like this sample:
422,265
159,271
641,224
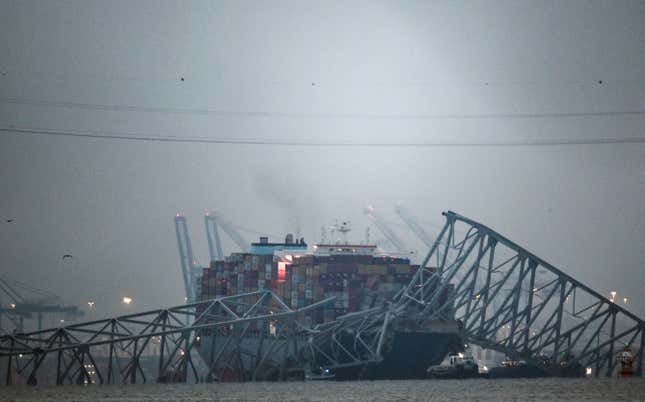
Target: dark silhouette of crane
15,306
190,269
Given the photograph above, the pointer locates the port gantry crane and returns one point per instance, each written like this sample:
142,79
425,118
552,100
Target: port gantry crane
190,269
17,307
213,222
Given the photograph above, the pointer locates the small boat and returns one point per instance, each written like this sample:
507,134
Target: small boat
510,368
323,374
458,365
626,360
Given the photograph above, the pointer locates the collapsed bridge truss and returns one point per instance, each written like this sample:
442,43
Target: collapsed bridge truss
506,298
514,302
159,346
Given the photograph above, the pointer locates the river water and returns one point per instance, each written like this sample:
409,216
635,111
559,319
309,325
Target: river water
543,389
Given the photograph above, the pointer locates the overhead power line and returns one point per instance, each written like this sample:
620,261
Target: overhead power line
172,78
310,115
118,135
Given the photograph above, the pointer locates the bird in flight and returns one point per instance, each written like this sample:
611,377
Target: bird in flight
67,256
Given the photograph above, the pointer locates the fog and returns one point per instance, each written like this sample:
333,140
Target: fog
458,75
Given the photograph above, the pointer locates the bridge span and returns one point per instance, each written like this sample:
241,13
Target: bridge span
512,301
506,298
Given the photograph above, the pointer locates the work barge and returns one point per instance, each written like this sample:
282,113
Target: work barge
281,311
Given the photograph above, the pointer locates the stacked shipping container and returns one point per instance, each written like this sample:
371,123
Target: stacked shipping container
357,281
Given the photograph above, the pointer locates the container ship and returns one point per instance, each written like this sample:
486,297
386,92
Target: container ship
356,275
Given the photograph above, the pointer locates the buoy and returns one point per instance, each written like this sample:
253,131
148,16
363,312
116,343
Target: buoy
626,360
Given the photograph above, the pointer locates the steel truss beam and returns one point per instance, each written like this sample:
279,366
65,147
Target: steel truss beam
514,302
353,340
506,298
158,345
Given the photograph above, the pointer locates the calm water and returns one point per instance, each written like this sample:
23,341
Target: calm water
435,390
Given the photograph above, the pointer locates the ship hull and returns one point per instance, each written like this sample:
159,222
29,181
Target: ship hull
409,357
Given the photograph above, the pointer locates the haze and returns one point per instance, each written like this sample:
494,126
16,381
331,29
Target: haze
361,72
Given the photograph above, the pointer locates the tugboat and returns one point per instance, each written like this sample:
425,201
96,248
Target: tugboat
458,366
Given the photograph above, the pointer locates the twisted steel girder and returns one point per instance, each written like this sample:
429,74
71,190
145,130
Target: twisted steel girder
130,348
512,301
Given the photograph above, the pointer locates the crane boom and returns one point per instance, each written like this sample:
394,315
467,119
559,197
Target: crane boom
10,291
190,270
212,234
414,226
21,307
385,230
213,223
186,257
234,235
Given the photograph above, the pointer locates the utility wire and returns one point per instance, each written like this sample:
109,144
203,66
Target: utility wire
176,78
331,115
119,135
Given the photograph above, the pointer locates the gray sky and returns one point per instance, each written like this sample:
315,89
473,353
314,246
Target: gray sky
332,71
